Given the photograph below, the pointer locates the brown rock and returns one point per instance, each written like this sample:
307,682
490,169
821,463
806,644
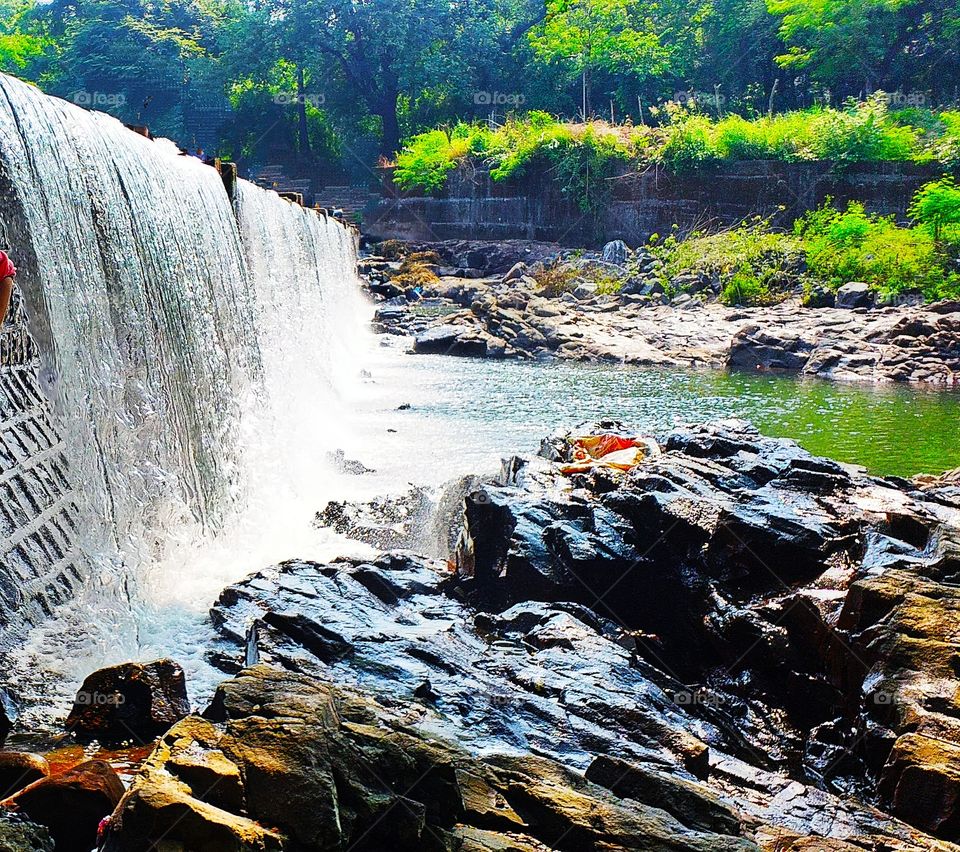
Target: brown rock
20,769
71,804
135,701
921,784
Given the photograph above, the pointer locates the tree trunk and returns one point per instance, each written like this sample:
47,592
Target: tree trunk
390,141
304,133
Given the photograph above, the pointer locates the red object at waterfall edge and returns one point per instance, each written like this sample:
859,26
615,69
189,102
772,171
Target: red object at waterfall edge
7,269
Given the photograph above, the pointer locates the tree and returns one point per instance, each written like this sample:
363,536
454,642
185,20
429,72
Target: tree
858,46
635,39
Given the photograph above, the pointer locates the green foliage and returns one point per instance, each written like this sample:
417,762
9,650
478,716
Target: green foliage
580,158
753,263
425,161
853,245
936,206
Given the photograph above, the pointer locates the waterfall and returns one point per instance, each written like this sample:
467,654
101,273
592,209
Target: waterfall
195,347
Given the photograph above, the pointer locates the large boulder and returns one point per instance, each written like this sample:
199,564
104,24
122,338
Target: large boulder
71,805
616,253
855,295
132,701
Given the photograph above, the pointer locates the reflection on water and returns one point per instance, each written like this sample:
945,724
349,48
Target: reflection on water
466,413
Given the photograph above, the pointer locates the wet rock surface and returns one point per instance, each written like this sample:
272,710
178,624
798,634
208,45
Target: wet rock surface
70,805
490,317
132,701
330,768
735,631
19,769
18,834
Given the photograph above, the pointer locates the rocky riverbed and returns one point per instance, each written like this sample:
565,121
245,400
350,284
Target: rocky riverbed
704,640
491,313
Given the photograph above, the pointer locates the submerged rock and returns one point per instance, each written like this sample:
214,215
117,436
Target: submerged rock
72,804
132,701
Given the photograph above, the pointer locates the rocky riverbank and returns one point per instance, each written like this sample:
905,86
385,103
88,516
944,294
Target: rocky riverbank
485,312
707,640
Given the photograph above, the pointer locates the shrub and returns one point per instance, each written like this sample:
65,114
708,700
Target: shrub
936,207
555,279
852,245
736,258
417,270
745,288
425,161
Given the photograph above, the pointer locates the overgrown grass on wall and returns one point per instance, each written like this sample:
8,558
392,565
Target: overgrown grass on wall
582,156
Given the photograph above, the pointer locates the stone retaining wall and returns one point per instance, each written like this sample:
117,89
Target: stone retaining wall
472,206
39,563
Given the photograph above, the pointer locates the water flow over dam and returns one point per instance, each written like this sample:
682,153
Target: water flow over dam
188,351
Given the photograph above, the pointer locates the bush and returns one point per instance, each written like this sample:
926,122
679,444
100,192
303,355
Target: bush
752,263
936,207
852,245
417,270
556,279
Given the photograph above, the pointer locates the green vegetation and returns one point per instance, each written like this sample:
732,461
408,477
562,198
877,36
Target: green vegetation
582,157
852,245
753,264
828,247
325,88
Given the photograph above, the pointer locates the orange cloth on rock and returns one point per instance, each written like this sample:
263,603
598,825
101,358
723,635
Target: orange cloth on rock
606,450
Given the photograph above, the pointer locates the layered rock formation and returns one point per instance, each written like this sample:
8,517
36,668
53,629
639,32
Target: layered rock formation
733,633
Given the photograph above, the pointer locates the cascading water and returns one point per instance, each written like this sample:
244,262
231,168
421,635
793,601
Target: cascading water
193,353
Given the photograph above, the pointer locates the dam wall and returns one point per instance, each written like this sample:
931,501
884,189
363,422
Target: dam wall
473,206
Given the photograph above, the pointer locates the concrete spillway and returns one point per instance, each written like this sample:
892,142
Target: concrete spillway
141,390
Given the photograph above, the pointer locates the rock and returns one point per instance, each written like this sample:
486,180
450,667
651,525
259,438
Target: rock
754,587
20,769
585,290
921,784
387,523
616,253
188,791
855,295
339,460
330,768
8,714
819,297
450,340
72,804
694,805
18,834
134,701
516,272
